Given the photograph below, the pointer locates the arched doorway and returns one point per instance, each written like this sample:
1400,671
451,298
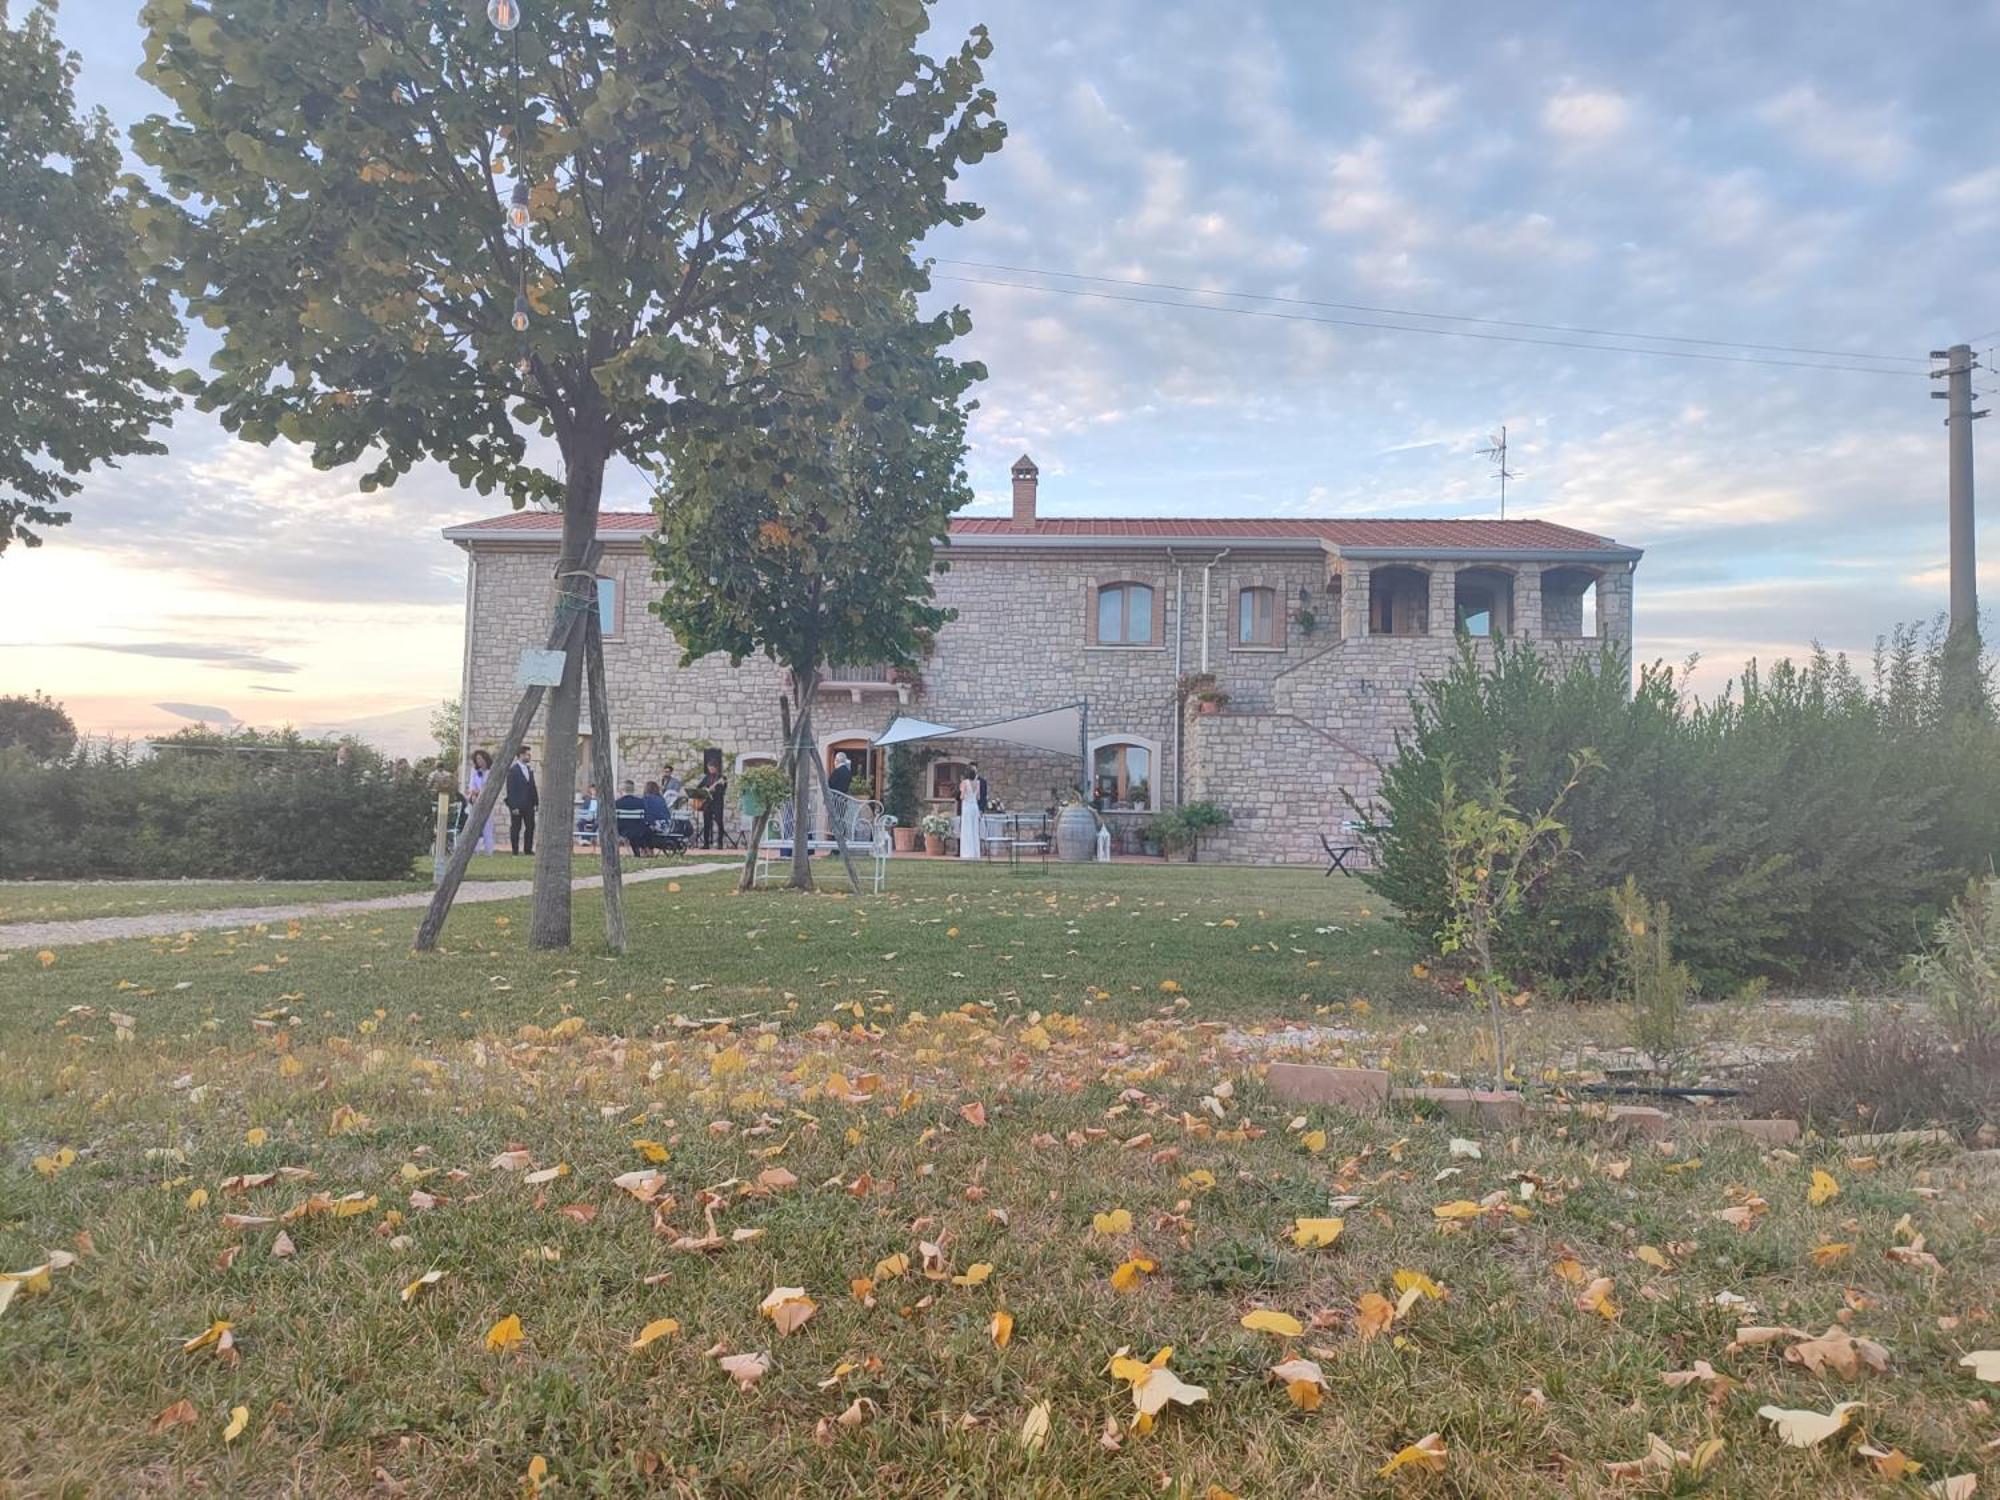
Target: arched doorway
868,763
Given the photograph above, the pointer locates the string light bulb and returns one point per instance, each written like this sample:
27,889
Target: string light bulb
504,14
520,312
517,207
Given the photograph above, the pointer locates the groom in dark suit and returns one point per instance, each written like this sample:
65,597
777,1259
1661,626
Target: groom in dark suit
523,797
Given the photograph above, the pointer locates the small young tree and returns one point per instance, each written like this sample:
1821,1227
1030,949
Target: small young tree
424,239
1492,855
37,724
803,509
81,381
447,727
1659,990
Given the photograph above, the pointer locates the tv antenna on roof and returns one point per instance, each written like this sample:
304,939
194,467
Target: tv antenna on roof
1496,449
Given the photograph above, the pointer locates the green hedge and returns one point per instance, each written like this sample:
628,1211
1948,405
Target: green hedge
211,813
1806,821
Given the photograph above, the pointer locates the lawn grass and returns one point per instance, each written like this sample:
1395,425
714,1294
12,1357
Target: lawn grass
862,1035
77,900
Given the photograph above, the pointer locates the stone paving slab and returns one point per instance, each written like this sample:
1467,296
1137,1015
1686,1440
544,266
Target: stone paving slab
170,924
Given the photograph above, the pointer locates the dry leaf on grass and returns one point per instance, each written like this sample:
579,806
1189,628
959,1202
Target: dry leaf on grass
1663,1458
1984,1364
415,1289
180,1414
1373,1315
1117,1221
1265,1320
504,1334
1128,1275
1002,1328
789,1308
659,1328
1891,1463
1808,1429
1035,1427
1427,1452
1824,1188
1316,1234
1840,1352
1305,1383
745,1369
239,1418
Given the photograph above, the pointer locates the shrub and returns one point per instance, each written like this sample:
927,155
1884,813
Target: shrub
37,724
1802,821
1658,990
1185,827
1880,1073
1959,974
266,810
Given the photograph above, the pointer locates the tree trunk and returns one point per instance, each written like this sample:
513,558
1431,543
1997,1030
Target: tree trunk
560,633
600,772
802,779
549,927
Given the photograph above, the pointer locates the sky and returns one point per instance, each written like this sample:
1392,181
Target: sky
1823,178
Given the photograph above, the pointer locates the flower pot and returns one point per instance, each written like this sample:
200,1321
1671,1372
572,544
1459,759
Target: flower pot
1207,706
906,839
751,803
934,843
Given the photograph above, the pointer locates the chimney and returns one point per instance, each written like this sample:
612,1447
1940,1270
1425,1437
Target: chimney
1024,490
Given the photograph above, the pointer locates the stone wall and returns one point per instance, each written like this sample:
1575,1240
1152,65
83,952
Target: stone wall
1308,720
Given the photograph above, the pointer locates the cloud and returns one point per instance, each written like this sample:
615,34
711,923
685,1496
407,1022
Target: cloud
265,687
201,713
1586,118
1869,140
234,658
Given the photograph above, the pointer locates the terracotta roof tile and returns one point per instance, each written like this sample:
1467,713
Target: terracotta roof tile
1341,531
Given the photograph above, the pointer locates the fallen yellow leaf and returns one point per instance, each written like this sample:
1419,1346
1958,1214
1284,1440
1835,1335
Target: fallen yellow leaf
1808,1429
973,1275
1126,1277
429,1278
659,1328
1002,1328
1823,1190
1316,1234
504,1334
788,1307
1035,1428
1427,1452
1265,1320
1117,1221
1374,1314
239,1418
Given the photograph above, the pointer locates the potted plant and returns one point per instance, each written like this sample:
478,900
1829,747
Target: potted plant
1197,819
900,785
861,789
1306,620
1210,701
936,827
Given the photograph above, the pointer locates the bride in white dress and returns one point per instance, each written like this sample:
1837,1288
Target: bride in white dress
968,818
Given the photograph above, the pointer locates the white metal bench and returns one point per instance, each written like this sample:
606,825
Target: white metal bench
852,823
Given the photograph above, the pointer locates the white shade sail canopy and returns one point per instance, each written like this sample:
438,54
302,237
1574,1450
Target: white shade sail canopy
1060,730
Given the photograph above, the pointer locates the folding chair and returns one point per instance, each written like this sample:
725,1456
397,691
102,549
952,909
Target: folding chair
1337,854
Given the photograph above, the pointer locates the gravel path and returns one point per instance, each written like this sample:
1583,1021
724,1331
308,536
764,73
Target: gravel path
170,924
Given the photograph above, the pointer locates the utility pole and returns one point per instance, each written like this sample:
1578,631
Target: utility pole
1962,648
1959,417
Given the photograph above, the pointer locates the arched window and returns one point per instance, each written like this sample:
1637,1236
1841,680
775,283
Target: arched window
1125,614
1485,602
1122,775
1257,617
1399,601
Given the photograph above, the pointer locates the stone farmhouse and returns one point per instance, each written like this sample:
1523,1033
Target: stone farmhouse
1315,631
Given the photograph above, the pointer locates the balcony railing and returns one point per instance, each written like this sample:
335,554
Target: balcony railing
846,674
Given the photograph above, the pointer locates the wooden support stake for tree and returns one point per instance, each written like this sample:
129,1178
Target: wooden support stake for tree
600,771
802,754
565,626
747,881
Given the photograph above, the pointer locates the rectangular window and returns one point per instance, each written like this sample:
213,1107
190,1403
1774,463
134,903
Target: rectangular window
1257,617
607,607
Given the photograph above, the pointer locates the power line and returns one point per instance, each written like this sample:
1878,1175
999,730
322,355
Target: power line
1455,333
1404,312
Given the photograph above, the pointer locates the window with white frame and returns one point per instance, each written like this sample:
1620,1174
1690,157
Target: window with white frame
1122,776
1125,614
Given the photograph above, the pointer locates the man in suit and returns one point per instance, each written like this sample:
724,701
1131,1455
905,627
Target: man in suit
523,797
985,792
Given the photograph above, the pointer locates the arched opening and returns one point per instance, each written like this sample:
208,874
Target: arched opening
863,774
1399,601
1485,602
1123,774
1569,603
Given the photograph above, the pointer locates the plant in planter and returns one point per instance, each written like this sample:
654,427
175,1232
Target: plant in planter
1196,820
762,790
1306,620
1194,684
1210,701
861,789
936,828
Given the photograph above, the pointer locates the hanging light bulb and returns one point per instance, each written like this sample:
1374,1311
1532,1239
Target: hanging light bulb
517,207
504,14
520,312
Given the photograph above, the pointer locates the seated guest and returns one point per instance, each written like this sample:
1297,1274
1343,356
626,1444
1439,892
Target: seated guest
670,784
659,812
587,815
630,811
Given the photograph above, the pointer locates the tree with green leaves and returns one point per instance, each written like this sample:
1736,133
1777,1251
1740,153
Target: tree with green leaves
81,378
803,508
37,724
423,237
